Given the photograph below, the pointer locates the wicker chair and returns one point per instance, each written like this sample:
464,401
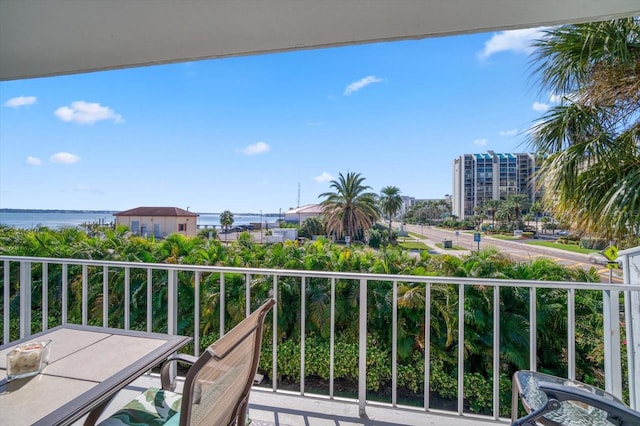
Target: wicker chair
216,387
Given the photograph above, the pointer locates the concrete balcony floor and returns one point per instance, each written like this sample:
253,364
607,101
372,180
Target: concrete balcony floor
270,409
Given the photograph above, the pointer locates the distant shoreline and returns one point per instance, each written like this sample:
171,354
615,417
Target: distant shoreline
7,210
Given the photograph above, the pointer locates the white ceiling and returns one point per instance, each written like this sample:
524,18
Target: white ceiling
52,37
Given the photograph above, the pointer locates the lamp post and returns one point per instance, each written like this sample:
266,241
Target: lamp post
261,226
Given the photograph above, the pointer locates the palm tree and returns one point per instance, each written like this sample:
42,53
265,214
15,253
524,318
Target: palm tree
226,220
491,207
517,203
351,209
390,202
591,171
535,210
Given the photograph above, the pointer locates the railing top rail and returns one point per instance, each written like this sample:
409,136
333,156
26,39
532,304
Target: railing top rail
491,282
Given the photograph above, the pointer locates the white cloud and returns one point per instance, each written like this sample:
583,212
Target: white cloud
508,133
33,161
357,85
539,106
256,149
82,112
323,177
21,101
515,40
480,142
64,158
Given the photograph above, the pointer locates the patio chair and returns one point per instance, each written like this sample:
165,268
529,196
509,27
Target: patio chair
216,387
551,400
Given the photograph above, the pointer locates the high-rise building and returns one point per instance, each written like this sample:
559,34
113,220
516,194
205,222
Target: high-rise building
490,176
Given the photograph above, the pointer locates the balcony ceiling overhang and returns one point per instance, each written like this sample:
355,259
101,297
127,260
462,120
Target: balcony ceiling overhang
54,37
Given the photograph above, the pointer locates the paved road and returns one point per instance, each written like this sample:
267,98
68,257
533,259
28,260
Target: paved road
517,250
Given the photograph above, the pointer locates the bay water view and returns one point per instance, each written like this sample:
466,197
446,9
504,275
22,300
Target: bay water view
56,219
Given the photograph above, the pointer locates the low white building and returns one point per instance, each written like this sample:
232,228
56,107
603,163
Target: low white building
300,214
159,221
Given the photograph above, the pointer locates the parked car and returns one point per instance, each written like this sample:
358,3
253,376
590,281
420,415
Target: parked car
563,233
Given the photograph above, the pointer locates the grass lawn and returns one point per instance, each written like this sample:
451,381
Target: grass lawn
568,247
505,237
413,245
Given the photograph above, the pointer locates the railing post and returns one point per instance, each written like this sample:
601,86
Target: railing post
45,296
127,298
172,303
303,326
496,352
631,270
5,309
362,361
274,355
85,294
196,315
533,330
394,345
612,359
461,349
65,292
25,299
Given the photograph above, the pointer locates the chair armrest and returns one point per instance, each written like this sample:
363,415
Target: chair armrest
168,383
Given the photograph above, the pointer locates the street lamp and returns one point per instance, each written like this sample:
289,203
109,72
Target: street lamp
261,226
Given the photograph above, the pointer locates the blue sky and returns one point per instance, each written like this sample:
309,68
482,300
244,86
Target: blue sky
243,134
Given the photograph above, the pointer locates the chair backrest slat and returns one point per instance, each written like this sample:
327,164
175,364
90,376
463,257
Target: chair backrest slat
217,386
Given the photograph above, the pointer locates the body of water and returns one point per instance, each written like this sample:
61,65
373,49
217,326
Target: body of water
56,220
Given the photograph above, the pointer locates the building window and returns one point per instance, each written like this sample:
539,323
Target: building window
182,227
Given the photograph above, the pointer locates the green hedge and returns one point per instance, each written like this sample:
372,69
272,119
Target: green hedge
478,390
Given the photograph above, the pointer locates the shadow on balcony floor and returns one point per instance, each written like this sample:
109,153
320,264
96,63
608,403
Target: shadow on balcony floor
267,408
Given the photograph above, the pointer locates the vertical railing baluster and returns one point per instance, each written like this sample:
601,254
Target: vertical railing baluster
496,352
571,333
303,312
460,348
65,292
394,346
85,294
196,315
172,305
247,296
5,309
127,298
172,311
105,296
149,300
612,358
362,358
45,296
25,299
222,303
274,355
533,329
427,343
332,335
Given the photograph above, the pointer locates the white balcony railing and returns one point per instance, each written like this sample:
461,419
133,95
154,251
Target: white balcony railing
18,273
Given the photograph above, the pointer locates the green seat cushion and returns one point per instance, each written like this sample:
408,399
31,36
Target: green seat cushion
152,407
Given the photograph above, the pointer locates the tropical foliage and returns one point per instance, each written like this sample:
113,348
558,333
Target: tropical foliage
591,140
390,202
322,255
351,209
